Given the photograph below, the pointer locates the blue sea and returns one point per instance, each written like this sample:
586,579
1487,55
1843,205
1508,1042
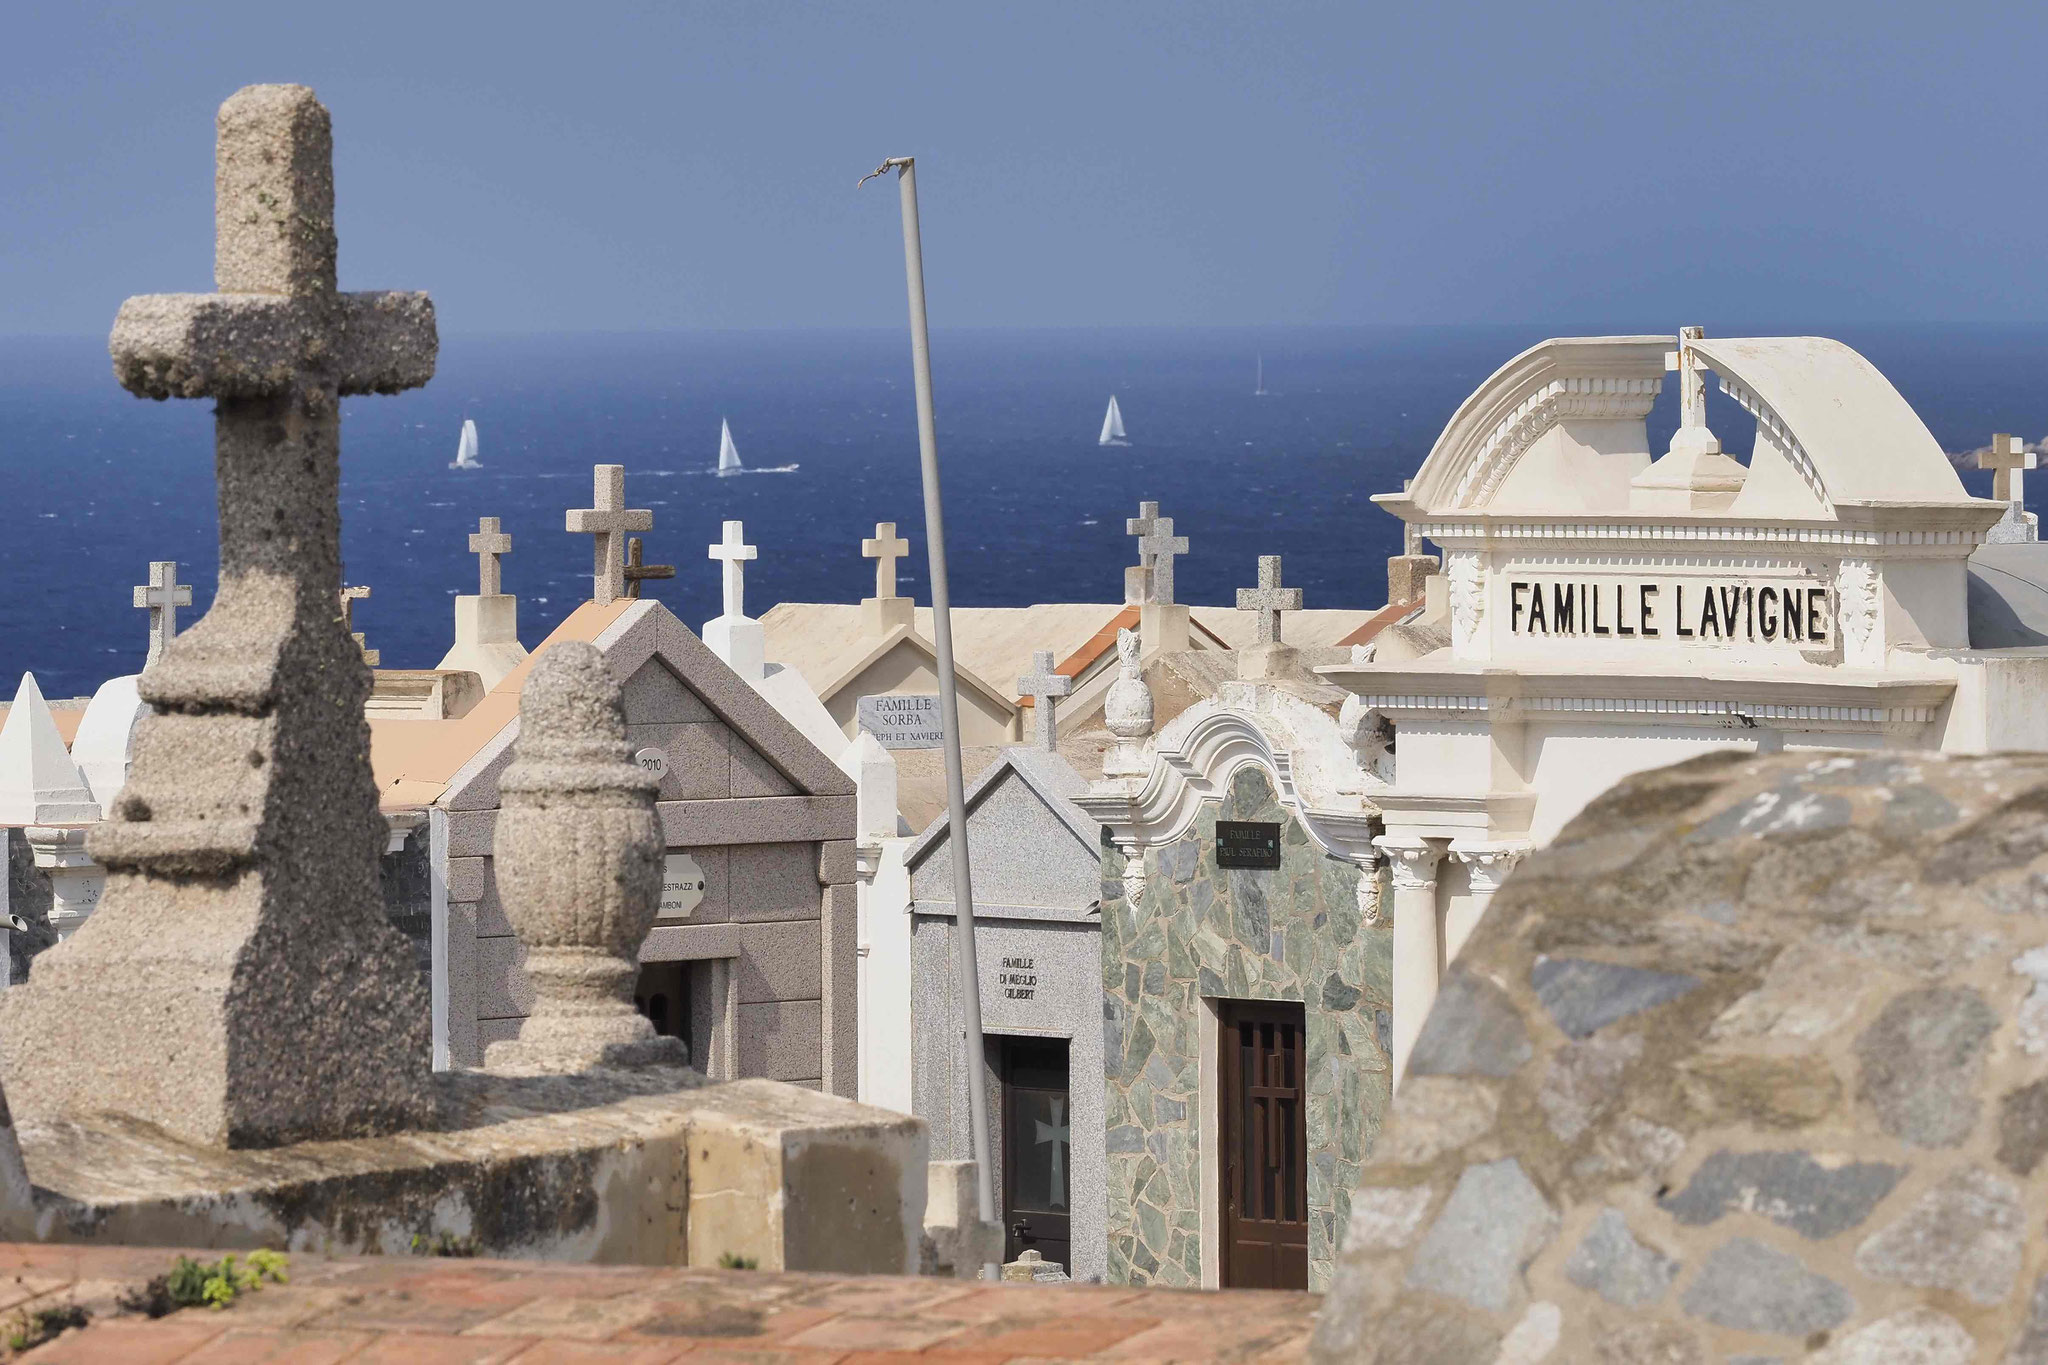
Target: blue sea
98,483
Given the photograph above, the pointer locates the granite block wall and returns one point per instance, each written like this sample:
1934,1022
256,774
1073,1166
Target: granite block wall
1200,933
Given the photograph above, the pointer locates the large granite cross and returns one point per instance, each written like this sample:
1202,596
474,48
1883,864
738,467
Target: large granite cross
885,549
1142,526
1042,684
2009,459
734,552
488,544
1160,547
607,519
240,983
1269,599
162,596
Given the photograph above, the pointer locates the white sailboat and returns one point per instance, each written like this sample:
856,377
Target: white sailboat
728,453
1112,426
1259,385
465,449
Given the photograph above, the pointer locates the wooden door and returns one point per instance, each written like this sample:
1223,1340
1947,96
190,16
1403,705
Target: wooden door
1265,1145
1038,1150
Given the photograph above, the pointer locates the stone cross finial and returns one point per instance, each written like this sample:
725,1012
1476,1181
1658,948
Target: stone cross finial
734,552
885,549
1269,599
579,857
638,573
1692,379
1161,547
1142,526
487,544
162,595
1042,684
251,806
604,521
349,597
2009,459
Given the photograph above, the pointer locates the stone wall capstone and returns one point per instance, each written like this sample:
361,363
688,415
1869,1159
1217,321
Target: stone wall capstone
1749,1064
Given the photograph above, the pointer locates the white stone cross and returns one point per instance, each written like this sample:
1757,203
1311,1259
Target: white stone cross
1269,599
734,552
162,595
885,549
1159,549
487,544
605,521
1042,684
349,597
1692,380
2008,461
1141,526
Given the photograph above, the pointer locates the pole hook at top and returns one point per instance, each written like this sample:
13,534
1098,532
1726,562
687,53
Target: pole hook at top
896,163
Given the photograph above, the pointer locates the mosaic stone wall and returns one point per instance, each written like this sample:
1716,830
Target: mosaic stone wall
1198,933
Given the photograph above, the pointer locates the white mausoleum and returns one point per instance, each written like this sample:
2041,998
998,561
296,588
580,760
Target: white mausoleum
1612,608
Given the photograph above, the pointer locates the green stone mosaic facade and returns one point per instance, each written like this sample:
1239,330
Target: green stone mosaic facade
1200,932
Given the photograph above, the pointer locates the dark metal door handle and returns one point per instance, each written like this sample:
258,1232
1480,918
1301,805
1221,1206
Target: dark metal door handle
1021,1228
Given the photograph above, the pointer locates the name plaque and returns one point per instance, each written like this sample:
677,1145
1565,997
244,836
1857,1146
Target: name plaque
1665,609
908,722
1247,843
1019,978
682,886
652,761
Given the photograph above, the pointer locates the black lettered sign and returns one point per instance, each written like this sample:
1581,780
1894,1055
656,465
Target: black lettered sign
1686,611
1247,843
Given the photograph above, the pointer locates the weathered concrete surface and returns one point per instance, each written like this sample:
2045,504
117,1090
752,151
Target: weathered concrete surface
1746,1065
653,1168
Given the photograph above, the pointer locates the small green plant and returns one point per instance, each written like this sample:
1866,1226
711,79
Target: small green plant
211,1284
443,1244
728,1261
28,1328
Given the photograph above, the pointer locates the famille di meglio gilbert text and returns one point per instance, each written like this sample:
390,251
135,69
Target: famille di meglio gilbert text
1763,613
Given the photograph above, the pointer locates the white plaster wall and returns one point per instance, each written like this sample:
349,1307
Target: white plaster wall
1927,602
1432,756
1574,764
884,983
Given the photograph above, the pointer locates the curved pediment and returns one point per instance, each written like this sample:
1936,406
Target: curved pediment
1560,430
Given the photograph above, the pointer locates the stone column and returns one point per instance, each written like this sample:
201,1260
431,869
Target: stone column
1487,864
1414,863
75,879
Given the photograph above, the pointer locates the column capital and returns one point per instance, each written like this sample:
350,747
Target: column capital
1488,862
1413,859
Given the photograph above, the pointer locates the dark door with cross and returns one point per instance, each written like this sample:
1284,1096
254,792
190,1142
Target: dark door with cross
1038,1157
1265,1143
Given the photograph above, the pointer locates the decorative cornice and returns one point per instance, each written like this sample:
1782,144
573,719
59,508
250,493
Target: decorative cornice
1839,538
1768,421
1596,399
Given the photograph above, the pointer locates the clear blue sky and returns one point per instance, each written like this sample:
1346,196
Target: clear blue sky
592,165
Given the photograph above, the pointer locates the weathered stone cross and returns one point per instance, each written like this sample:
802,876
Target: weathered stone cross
250,816
1142,526
349,597
885,549
487,544
1042,684
1269,599
605,521
162,595
1692,379
735,552
638,573
2009,461
1159,548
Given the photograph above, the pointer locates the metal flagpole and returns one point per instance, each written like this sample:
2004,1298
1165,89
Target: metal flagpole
949,705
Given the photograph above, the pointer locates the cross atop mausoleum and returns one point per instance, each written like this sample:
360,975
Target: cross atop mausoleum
1269,599
2008,459
638,572
1160,547
162,595
1042,684
1692,378
248,814
487,544
604,521
1141,526
734,552
885,549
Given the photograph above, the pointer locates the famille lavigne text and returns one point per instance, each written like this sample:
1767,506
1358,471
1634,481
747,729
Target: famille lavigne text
1773,612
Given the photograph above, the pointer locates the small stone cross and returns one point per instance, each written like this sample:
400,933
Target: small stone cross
349,597
1269,599
1692,380
2009,462
487,544
604,522
1159,548
162,595
1042,684
638,573
734,552
885,549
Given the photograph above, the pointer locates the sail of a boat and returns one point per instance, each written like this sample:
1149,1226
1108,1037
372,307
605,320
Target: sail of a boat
1112,426
1259,385
728,453
465,449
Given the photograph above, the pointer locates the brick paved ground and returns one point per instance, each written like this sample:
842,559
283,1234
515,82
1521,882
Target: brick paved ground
388,1311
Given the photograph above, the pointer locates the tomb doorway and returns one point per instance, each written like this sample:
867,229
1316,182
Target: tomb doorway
1037,1149
1264,1131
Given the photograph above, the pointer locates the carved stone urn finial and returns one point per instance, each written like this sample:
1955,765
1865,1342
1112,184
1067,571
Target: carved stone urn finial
579,855
1127,711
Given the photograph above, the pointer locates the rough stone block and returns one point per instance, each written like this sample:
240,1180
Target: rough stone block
774,882
503,988
1815,1200
780,961
1493,1224
782,1040
752,773
699,759
1967,1234
1584,996
1617,1267
655,696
